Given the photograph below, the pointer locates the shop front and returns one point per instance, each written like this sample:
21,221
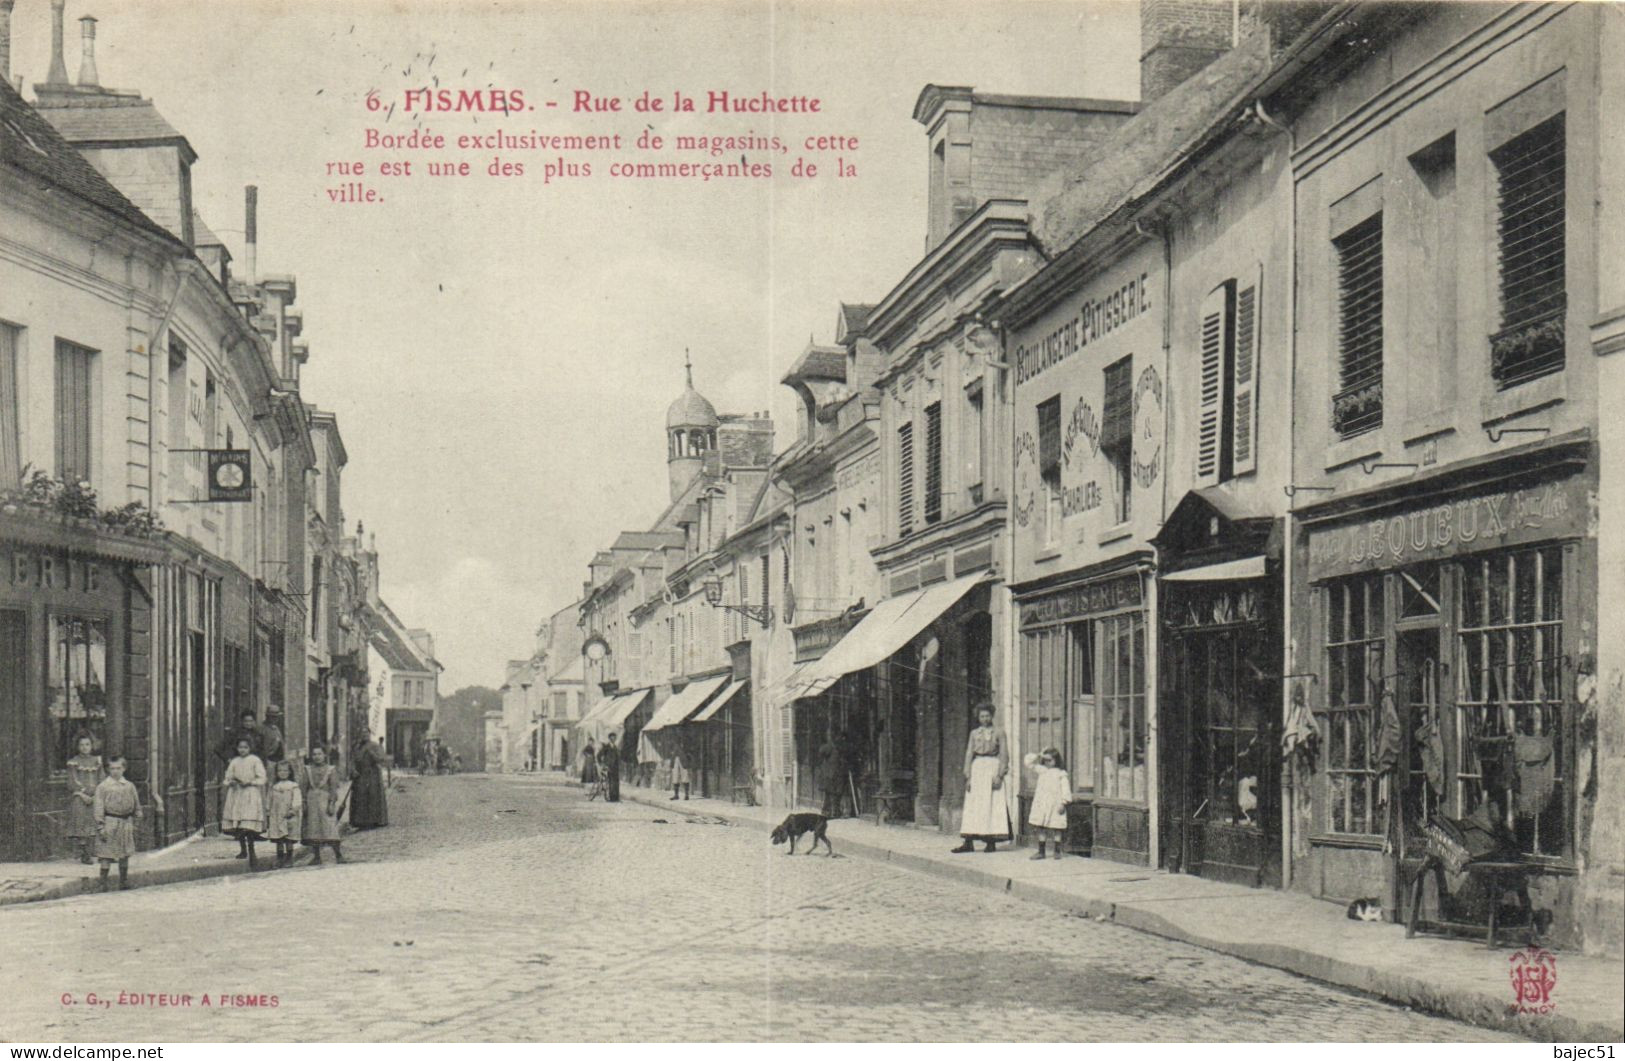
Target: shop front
75,645
882,718
1220,599
1451,619
1083,648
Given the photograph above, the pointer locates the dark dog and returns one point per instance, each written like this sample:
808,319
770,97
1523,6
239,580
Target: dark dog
798,825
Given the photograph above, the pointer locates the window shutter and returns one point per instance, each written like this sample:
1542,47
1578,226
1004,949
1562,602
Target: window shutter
1210,391
1117,415
1530,172
905,479
1049,437
933,462
1245,384
1357,406
787,739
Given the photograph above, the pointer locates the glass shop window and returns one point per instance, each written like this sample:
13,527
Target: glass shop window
1354,674
76,685
1510,711
1122,707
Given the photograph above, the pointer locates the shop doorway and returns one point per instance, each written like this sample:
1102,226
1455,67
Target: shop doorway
1224,701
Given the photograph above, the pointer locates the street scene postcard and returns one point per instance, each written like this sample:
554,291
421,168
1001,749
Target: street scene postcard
785,521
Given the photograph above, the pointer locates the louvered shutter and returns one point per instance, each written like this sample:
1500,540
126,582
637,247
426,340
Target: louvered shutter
905,479
933,462
1244,387
787,740
1211,338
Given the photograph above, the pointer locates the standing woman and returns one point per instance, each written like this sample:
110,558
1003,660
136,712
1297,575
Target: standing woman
589,769
84,774
986,818
368,809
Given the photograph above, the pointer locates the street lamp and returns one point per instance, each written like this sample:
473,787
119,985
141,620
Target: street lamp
760,613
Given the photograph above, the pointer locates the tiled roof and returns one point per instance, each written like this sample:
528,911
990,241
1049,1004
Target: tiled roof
398,655
29,143
1072,203
854,315
109,119
203,235
826,363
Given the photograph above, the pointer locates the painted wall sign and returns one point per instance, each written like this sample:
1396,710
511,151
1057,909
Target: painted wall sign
1489,521
35,569
1096,318
1026,477
1147,460
1076,602
1083,423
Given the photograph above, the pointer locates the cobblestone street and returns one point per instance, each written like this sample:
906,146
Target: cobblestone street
499,908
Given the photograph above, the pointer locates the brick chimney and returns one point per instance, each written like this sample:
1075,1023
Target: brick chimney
5,39
87,53
251,202
58,74
1179,38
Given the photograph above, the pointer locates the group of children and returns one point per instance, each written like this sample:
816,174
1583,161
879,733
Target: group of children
288,808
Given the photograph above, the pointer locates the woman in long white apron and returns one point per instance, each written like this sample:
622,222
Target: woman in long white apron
986,818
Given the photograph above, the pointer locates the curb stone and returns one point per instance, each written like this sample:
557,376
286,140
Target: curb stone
1469,1007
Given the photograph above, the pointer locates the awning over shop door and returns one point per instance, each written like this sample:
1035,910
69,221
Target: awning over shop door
721,701
685,703
591,724
894,623
623,706
1229,571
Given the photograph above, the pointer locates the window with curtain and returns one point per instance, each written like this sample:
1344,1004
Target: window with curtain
74,415
1354,690
1530,173
1122,707
10,430
1357,405
1049,466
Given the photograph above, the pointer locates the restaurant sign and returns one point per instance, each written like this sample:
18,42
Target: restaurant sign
1488,521
1076,602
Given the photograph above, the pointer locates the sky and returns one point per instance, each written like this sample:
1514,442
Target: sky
500,351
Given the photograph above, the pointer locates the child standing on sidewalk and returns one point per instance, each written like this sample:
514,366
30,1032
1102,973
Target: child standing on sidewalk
117,807
243,815
319,789
282,820
1050,797
84,774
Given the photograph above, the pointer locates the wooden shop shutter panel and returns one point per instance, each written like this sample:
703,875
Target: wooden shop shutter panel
1211,337
1245,382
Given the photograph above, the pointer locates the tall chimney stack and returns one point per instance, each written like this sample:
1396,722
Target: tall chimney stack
87,53
1180,37
58,74
251,203
5,39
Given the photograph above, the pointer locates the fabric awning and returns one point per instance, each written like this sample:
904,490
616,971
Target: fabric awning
591,724
624,705
685,703
721,701
1229,571
893,623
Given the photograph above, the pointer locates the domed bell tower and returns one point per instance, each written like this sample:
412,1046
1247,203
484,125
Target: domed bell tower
691,433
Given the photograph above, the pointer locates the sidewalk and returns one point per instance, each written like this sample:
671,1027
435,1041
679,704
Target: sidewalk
1457,978
194,858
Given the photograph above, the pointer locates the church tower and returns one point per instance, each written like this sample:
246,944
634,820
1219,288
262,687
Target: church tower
691,433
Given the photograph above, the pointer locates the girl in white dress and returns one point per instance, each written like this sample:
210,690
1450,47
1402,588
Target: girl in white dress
1050,796
243,815
283,817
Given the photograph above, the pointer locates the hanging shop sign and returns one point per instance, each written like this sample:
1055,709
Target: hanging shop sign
1090,598
1487,521
229,475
